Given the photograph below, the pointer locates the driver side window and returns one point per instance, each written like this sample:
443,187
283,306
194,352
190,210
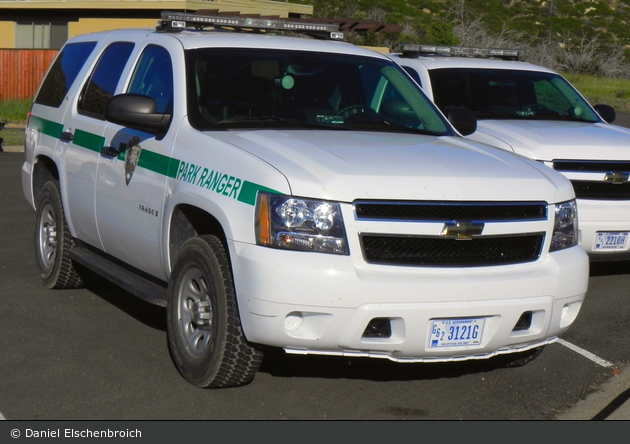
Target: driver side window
153,77
549,96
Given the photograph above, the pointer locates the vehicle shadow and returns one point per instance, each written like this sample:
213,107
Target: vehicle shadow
149,314
609,268
277,363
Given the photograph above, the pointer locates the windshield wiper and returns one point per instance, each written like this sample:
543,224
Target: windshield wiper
269,121
482,114
381,124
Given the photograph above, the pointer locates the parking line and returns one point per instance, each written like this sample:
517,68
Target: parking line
589,355
2,418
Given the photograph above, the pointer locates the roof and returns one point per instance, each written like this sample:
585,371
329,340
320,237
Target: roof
436,57
191,39
467,62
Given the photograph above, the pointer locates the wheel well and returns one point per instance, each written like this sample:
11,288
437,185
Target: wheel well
43,171
188,221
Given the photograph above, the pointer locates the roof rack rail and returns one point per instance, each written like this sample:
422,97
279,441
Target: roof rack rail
178,21
414,50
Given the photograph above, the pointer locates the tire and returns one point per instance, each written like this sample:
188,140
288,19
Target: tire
53,241
204,330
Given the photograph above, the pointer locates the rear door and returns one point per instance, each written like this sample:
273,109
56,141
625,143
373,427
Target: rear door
82,139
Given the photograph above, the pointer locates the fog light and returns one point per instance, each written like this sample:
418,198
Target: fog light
524,322
293,321
378,328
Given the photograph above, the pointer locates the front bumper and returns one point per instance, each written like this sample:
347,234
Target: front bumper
312,303
603,216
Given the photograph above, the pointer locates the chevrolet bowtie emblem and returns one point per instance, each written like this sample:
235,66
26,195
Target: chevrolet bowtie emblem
616,177
462,230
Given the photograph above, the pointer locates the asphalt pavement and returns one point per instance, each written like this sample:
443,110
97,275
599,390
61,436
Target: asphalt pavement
611,401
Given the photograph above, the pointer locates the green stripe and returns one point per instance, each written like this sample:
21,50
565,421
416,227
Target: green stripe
158,163
87,140
249,190
149,160
47,127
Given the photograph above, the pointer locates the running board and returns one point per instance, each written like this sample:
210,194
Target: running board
126,279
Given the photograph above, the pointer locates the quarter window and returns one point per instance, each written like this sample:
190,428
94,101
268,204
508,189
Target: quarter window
63,73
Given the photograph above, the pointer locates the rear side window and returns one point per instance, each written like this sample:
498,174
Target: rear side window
102,83
63,73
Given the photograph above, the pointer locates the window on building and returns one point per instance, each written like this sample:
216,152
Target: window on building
41,35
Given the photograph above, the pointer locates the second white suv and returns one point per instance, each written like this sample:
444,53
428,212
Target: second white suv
535,112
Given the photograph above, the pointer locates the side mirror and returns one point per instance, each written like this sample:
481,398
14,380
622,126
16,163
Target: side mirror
462,119
606,112
136,111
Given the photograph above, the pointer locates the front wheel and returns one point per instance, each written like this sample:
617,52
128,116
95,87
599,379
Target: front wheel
204,330
53,241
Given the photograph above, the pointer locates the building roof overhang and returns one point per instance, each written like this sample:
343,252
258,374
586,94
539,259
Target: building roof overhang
117,7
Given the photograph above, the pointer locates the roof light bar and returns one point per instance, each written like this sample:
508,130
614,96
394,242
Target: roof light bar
414,50
176,21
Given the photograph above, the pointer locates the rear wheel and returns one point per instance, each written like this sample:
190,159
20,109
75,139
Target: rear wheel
53,241
204,330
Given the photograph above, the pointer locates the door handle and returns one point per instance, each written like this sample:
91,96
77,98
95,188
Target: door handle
109,151
66,137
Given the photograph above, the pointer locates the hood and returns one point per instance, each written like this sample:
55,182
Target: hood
349,165
549,140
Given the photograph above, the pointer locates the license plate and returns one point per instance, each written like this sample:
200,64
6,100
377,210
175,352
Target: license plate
456,332
611,241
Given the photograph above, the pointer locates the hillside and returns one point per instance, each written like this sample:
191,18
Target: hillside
607,19
535,21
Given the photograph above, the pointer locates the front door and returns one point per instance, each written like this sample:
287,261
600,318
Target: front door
132,178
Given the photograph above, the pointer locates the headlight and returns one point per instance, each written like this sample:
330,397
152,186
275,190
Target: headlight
565,226
299,224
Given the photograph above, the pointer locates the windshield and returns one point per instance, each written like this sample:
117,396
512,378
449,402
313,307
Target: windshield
251,88
510,94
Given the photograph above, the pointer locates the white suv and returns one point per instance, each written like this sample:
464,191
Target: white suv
535,112
291,192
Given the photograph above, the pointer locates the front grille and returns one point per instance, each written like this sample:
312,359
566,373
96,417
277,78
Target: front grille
585,189
449,211
441,251
591,166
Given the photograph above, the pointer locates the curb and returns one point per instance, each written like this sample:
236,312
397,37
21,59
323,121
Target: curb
610,402
12,149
